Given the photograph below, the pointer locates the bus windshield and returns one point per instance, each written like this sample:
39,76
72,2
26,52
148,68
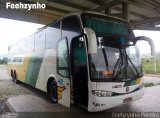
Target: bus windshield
113,61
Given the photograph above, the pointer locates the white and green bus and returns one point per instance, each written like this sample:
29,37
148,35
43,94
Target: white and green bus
85,58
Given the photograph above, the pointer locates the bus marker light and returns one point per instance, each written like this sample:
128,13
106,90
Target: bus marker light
107,72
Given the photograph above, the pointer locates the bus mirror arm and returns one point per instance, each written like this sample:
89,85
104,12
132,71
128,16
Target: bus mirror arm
92,40
149,40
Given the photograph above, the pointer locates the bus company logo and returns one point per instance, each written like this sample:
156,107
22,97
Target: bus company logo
127,89
25,6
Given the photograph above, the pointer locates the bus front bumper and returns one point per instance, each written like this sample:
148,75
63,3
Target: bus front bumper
102,103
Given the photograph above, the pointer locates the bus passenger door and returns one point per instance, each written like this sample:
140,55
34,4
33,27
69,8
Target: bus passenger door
63,84
79,71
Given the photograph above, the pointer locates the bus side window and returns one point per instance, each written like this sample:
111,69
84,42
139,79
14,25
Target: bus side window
71,27
40,40
62,58
52,35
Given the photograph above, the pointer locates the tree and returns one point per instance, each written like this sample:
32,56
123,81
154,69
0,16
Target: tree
4,60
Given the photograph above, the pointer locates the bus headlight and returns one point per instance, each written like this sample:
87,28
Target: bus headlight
100,93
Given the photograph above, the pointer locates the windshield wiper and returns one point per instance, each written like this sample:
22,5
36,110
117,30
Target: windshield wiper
122,62
133,65
105,58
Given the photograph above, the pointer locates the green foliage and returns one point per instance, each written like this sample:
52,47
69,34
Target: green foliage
148,66
4,60
148,84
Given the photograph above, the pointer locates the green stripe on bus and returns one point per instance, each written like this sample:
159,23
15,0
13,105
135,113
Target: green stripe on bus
33,69
133,82
128,83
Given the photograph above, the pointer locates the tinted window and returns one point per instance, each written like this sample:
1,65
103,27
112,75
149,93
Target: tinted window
40,40
70,27
62,58
52,35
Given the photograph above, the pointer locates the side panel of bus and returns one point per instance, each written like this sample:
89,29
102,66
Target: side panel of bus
34,59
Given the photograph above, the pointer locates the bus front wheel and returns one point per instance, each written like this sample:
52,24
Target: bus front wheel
53,92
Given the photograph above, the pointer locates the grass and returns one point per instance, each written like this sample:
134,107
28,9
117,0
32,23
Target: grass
148,84
148,66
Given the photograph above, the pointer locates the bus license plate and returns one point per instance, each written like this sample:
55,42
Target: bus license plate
127,100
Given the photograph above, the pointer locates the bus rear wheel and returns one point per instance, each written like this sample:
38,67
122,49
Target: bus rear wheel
53,92
14,77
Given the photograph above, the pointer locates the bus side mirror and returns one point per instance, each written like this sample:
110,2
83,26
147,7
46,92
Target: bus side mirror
92,40
150,41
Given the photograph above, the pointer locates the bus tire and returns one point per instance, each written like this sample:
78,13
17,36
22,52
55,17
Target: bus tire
14,77
53,92
11,73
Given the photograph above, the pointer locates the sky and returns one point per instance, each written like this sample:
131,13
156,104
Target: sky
12,31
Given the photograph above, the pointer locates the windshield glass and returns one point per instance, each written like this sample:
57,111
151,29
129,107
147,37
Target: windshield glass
117,59
114,61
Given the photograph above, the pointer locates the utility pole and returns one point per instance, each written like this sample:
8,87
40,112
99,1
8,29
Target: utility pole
155,65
